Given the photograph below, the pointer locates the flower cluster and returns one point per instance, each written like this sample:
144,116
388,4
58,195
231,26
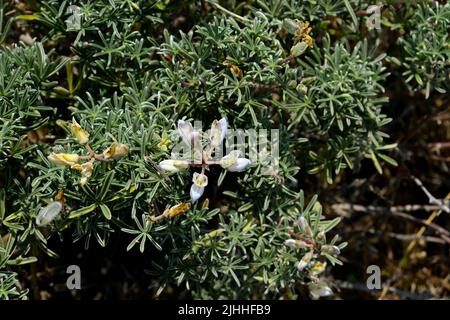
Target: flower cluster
115,151
302,39
203,156
316,247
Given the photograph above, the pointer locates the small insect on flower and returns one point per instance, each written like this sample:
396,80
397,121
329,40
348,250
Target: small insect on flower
79,133
48,213
66,159
116,151
319,289
200,181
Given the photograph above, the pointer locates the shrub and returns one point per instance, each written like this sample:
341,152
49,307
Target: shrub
133,81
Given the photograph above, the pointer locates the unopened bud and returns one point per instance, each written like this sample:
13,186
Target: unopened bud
116,151
304,226
67,159
79,133
332,250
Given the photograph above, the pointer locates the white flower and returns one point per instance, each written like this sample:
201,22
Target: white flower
218,132
173,166
290,243
200,181
333,250
233,163
48,213
187,132
318,290
196,192
305,261
297,244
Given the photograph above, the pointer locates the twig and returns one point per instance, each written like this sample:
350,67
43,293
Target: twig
342,208
431,198
402,293
234,15
398,236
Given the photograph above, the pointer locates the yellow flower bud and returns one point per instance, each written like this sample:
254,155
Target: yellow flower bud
116,151
79,133
76,166
67,159
177,210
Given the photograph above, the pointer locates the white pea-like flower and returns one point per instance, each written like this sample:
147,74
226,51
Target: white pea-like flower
232,162
200,181
218,132
48,213
319,289
304,262
297,244
173,166
187,133
290,243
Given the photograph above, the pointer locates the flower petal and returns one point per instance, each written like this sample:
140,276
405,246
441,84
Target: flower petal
240,165
218,132
320,289
79,133
185,130
200,179
196,192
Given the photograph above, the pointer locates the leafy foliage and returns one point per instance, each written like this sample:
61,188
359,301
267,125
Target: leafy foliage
126,72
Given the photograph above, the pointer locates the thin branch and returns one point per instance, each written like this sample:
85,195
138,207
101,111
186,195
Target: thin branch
431,198
344,208
234,15
402,293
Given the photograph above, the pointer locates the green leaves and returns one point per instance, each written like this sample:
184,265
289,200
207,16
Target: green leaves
82,211
105,211
143,234
105,186
128,81
425,50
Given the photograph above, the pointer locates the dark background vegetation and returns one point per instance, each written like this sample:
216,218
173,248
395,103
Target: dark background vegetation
421,127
